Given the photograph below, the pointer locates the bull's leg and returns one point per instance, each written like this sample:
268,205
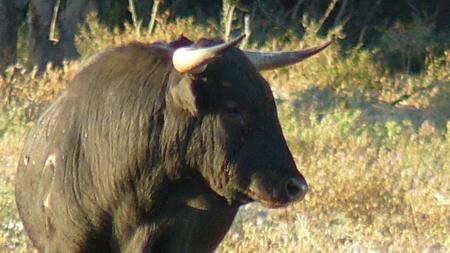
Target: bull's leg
73,13
8,32
41,49
45,203
131,232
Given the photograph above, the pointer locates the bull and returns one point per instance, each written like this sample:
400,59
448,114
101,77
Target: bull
153,148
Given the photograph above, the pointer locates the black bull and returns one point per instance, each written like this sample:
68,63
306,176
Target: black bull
140,156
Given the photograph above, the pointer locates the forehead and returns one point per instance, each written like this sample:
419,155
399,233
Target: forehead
234,74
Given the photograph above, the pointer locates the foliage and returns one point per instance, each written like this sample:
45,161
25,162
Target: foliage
373,146
407,30
95,37
406,44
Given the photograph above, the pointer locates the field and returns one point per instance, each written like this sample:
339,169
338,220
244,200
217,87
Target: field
374,147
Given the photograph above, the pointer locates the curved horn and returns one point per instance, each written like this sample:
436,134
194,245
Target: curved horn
186,59
273,60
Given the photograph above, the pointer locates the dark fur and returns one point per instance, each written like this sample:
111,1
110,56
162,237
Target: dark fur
147,159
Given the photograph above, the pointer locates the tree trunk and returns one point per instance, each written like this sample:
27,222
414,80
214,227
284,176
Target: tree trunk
8,32
227,17
155,11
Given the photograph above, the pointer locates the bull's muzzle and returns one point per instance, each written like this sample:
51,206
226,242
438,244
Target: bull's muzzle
295,189
275,192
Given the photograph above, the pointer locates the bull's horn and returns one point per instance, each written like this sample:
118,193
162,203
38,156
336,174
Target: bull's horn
272,60
187,59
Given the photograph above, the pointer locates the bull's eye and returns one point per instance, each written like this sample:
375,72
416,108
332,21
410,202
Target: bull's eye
236,116
233,113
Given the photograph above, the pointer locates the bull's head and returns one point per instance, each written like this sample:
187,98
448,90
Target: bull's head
236,141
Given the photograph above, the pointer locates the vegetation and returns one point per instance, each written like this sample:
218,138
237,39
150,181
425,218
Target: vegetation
406,30
373,145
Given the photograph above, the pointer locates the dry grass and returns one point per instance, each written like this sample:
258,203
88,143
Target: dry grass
379,174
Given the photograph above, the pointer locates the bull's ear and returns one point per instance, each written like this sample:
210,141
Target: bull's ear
184,94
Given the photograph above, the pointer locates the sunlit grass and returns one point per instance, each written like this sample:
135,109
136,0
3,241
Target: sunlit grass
379,174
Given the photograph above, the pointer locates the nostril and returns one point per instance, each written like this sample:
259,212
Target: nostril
295,189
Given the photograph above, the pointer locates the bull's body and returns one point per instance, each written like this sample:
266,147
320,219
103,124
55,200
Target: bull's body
57,186
138,157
